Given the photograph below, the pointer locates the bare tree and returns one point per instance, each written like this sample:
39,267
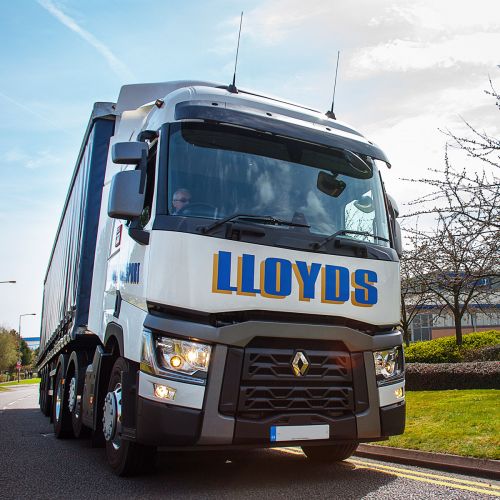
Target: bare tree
459,259
457,264
470,196
414,292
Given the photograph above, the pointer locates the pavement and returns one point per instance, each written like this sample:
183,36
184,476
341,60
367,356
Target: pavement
440,461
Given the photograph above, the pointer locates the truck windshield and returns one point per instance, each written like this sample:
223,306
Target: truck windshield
215,171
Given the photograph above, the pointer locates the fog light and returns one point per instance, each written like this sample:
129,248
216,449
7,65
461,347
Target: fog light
399,392
164,392
175,361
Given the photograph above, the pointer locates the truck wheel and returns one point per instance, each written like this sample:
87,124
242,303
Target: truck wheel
126,458
45,399
75,392
330,453
60,413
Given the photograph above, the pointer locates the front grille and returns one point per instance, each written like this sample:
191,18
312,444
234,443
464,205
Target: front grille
286,398
273,365
269,386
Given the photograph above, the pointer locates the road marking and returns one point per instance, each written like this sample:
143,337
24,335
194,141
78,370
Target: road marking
448,483
291,451
424,474
15,401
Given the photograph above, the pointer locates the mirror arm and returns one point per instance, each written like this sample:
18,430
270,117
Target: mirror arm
139,235
143,167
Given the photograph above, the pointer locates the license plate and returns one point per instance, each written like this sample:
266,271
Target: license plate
299,432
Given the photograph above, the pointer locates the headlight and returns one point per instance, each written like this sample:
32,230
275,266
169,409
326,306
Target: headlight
389,364
182,356
175,358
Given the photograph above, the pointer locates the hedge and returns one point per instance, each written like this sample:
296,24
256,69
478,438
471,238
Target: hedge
446,350
433,377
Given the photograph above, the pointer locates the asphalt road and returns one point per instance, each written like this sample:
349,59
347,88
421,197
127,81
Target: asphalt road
33,464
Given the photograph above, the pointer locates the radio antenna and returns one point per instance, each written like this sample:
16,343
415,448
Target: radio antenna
330,112
232,88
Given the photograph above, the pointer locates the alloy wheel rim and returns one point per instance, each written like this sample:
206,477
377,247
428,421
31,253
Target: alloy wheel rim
112,416
58,400
72,395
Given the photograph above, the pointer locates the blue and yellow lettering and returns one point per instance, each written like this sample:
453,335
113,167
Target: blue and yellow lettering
276,278
338,284
221,276
306,278
334,284
130,273
246,275
364,294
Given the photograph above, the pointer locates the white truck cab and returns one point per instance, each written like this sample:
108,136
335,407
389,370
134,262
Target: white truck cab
231,276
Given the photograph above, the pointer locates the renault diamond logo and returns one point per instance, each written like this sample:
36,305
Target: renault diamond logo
300,364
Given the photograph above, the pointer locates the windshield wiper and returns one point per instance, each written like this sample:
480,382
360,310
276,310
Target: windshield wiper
262,219
334,237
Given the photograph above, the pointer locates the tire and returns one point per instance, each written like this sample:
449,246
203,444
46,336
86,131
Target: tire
45,399
76,381
126,458
61,417
330,453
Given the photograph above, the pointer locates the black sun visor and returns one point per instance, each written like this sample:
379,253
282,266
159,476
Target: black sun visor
187,110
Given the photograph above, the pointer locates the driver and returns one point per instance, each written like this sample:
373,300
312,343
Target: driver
180,200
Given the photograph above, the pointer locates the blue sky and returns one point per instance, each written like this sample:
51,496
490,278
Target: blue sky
407,69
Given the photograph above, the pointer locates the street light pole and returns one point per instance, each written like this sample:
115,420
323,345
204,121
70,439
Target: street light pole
11,281
19,343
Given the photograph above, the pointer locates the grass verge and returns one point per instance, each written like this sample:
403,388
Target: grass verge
460,422
15,382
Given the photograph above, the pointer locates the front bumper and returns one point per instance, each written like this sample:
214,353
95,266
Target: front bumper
221,413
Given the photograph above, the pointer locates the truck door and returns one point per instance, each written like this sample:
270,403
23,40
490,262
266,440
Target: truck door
124,301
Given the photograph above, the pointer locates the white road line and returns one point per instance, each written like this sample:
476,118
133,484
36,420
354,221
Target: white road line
14,402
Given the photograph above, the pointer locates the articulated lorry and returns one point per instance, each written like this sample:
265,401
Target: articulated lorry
225,274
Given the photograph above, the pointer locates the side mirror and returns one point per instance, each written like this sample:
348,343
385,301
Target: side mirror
364,204
394,205
329,184
129,153
398,239
125,198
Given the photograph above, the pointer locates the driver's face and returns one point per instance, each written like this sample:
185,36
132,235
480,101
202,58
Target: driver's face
180,200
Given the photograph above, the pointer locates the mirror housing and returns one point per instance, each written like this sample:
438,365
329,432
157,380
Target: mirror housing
398,239
129,153
394,205
125,198
396,228
365,204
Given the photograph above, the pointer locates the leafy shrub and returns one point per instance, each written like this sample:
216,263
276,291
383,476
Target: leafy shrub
433,377
489,353
446,350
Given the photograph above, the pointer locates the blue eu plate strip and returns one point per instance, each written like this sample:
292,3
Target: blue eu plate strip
273,433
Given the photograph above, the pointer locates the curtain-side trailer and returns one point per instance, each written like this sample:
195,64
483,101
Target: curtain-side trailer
225,274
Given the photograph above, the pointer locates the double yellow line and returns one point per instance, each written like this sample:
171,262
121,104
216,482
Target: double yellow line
448,481
425,477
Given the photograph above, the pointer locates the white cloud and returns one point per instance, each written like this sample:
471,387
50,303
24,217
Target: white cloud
41,159
448,15
114,63
412,55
